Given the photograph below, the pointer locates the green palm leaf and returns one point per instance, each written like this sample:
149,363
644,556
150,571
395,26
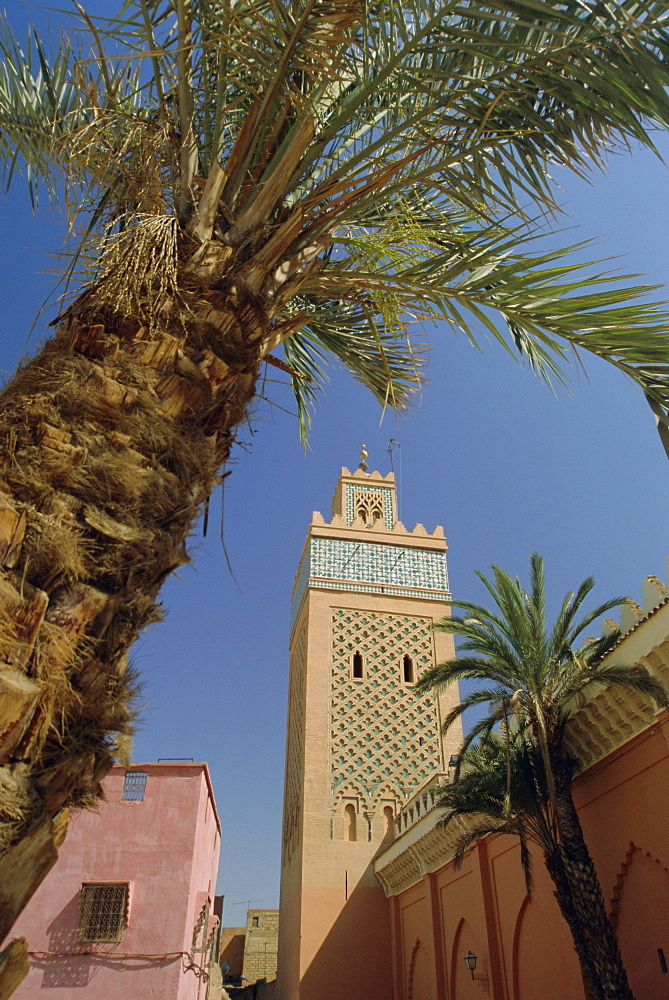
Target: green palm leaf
537,669
397,151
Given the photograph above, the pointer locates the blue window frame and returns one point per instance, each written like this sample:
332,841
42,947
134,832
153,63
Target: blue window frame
134,785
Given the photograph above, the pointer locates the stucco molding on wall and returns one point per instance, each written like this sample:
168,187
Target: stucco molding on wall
422,850
602,724
612,716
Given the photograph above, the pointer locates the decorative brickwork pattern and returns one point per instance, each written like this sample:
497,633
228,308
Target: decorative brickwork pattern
295,747
369,503
370,562
370,568
382,735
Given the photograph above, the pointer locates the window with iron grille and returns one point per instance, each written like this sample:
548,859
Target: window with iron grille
103,911
134,785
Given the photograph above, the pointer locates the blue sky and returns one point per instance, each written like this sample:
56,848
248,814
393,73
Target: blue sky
488,451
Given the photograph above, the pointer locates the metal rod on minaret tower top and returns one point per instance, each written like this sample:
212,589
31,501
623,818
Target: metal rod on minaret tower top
392,445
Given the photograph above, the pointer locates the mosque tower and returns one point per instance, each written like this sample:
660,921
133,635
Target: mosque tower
360,741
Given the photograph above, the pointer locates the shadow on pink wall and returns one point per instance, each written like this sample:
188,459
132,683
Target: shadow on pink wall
68,967
71,963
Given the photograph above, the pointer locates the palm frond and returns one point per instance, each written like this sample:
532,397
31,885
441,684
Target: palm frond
500,788
536,671
587,620
411,141
631,678
463,668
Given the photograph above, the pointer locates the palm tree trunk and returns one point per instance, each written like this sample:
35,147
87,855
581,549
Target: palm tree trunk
110,440
595,942
565,899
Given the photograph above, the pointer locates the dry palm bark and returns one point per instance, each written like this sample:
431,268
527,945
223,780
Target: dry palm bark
13,966
564,896
112,438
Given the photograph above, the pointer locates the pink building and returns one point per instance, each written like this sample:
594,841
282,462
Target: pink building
132,892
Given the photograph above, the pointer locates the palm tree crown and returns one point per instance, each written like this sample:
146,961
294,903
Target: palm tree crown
537,671
342,169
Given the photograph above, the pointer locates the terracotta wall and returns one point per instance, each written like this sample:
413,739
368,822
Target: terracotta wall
232,949
346,946
524,948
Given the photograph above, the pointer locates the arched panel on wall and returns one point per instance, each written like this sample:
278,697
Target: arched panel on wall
544,961
386,805
388,792
641,918
419,982
348,812
350,823
463,987
351,790
388,823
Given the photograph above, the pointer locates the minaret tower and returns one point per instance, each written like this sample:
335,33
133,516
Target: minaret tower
360,740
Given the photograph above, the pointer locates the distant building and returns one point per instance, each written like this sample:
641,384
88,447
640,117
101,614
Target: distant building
127,912
231,955
260,945
249,953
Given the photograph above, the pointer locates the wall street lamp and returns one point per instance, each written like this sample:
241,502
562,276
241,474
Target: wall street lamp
482,978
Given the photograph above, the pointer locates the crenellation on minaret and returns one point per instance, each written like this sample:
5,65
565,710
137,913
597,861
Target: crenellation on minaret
378,527
365,548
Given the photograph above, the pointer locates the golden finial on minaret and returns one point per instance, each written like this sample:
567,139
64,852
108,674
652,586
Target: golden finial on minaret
363,464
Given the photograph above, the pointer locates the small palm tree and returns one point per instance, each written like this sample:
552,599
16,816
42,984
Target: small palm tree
268,183
500,787
523,783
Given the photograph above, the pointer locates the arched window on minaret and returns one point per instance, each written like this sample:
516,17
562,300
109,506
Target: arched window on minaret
350,823
407,669
369,506
357,666
389,823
